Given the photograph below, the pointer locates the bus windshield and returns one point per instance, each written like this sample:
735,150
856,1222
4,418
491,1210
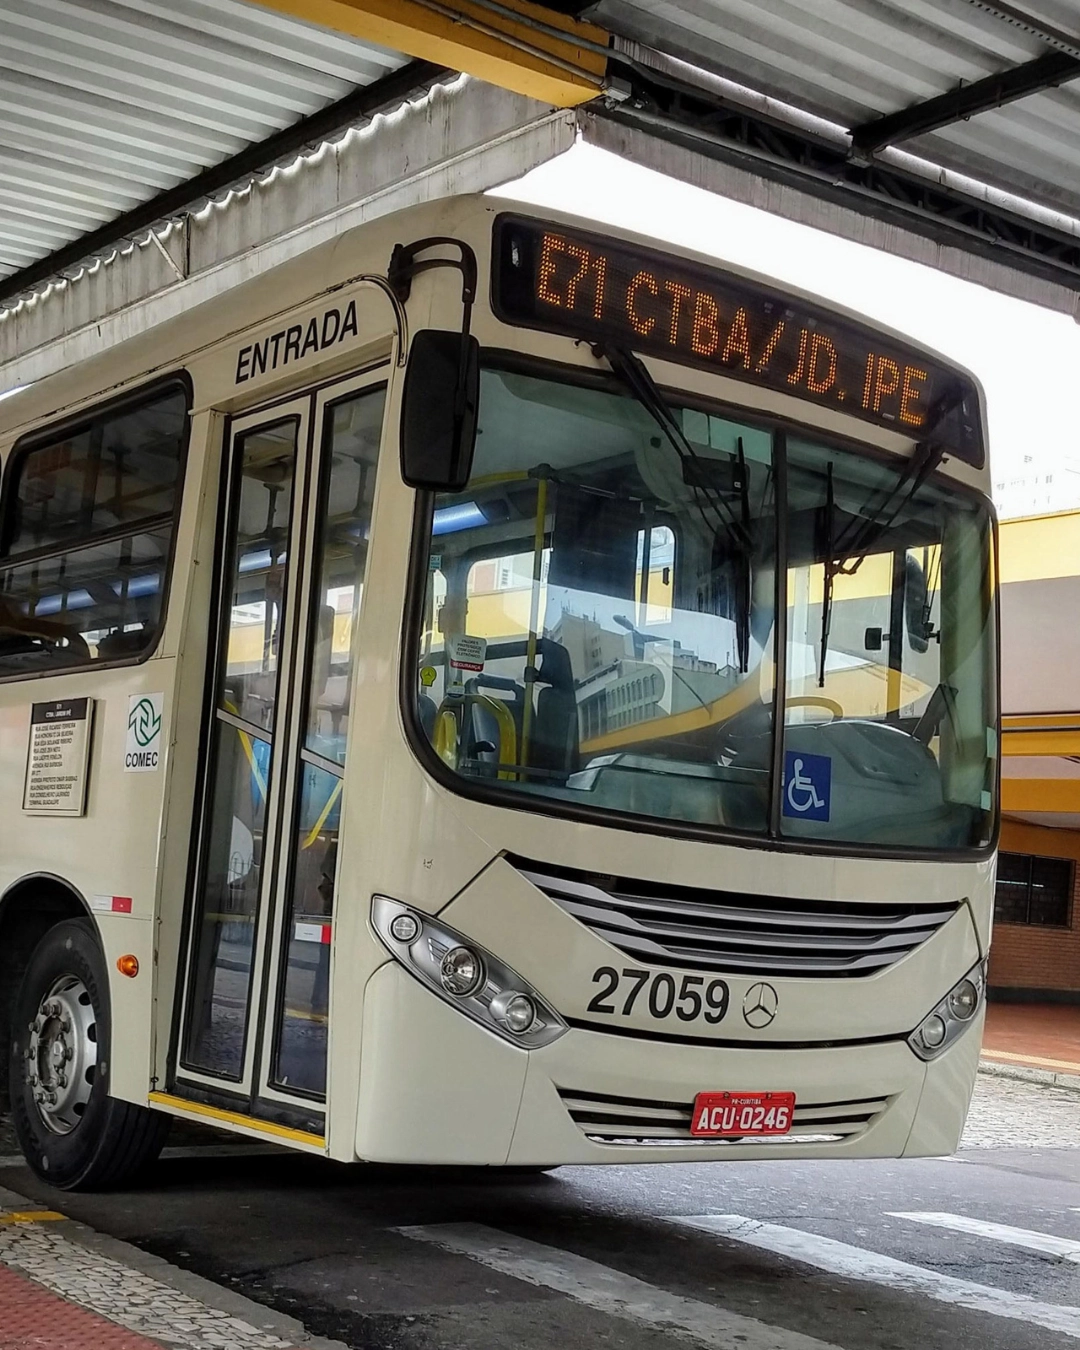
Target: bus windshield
600,625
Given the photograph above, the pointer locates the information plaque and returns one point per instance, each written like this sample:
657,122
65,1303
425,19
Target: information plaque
58,758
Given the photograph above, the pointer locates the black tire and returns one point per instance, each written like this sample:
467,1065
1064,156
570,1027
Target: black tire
101,1142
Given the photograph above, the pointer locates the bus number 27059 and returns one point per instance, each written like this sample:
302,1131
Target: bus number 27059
693,997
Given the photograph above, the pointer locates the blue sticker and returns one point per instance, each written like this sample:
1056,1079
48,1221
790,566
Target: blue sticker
807,785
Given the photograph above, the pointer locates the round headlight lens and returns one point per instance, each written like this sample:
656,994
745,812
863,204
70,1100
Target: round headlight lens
932,1032
963,1001
405,927
517,1012
462,972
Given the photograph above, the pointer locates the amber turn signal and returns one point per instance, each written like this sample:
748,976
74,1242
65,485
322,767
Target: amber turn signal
128,965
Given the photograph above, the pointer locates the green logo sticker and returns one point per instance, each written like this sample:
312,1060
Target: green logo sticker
144,722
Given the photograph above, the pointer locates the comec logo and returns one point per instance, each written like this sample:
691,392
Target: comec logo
144,724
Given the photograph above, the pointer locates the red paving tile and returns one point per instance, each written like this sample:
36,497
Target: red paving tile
1043,1034
32,1318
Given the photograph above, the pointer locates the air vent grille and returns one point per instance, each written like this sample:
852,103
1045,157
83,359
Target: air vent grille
733,933
635,1120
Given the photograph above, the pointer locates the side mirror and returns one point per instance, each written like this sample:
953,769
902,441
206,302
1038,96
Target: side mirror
873,639
438,410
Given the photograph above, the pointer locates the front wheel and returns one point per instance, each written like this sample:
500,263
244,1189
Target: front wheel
72,1133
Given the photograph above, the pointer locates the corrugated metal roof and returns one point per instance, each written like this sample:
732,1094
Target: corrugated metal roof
852,60
106,103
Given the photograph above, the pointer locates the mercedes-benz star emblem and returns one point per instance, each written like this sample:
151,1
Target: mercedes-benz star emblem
759,1006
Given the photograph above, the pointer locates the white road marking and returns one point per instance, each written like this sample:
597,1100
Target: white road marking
1067,1248
855,1263
610,1291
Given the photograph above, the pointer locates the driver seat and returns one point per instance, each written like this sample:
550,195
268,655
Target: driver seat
555,741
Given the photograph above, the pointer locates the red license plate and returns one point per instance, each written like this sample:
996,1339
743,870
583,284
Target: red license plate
720,1115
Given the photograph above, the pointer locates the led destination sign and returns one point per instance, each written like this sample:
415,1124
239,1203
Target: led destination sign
585,286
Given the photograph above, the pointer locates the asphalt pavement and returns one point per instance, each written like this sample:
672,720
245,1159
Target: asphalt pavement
980,1251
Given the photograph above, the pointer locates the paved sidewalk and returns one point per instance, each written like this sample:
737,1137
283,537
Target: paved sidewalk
32,1317
64,1287
1035,1041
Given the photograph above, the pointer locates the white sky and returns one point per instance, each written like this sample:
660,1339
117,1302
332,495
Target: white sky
1027,358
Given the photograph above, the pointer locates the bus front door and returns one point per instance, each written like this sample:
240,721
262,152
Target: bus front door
296,521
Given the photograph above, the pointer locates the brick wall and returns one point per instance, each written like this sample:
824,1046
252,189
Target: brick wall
1025,956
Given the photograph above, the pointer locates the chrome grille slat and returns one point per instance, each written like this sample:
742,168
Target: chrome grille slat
634,1120
741,933
625,902
722,959
804,940
604,1110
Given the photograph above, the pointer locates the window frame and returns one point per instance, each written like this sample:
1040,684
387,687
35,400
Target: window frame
320,473
771,839
1027,922
72,424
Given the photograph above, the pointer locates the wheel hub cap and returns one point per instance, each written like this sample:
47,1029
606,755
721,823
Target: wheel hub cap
61,1057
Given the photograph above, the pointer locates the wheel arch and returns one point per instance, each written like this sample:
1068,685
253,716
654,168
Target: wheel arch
28,909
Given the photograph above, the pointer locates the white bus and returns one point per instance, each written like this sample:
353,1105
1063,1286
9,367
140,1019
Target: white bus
494,692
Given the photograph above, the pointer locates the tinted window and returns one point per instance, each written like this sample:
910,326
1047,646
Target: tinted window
1033,890
87,533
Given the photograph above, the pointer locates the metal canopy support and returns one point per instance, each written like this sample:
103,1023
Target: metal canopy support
756,183
1045,72
814,158
389,92
459,137
1015,17
527,48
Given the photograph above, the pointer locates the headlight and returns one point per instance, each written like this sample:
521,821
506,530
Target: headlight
943,1024
461,972
466,975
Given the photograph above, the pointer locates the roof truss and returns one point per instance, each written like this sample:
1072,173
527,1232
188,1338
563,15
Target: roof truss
1045,72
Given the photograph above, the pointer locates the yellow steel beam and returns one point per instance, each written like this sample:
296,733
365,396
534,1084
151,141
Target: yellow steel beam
1058,721
512,43
1043,734
1045,795
1040,743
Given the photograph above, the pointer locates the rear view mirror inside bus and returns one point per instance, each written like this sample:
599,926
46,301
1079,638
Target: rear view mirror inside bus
438,414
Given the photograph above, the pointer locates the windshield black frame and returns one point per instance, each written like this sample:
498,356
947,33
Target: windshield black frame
772,839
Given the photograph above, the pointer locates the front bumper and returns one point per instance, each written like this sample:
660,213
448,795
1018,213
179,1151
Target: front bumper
437,1088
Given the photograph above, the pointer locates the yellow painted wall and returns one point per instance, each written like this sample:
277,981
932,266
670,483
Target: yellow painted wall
1036,548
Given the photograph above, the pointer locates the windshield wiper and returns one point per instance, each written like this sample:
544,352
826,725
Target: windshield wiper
926,458
867,532
632,373
831,568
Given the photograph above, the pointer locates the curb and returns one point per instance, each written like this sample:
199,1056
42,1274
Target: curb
262,1321
1029,1074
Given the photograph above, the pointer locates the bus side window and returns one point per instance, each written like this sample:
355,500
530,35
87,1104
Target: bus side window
86,535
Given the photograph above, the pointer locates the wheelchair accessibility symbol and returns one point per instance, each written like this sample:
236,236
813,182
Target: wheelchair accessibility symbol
807,785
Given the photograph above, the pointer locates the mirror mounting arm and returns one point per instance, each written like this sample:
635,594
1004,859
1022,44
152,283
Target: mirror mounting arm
405,266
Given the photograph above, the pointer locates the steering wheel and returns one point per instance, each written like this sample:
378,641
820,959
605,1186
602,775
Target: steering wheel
816,701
